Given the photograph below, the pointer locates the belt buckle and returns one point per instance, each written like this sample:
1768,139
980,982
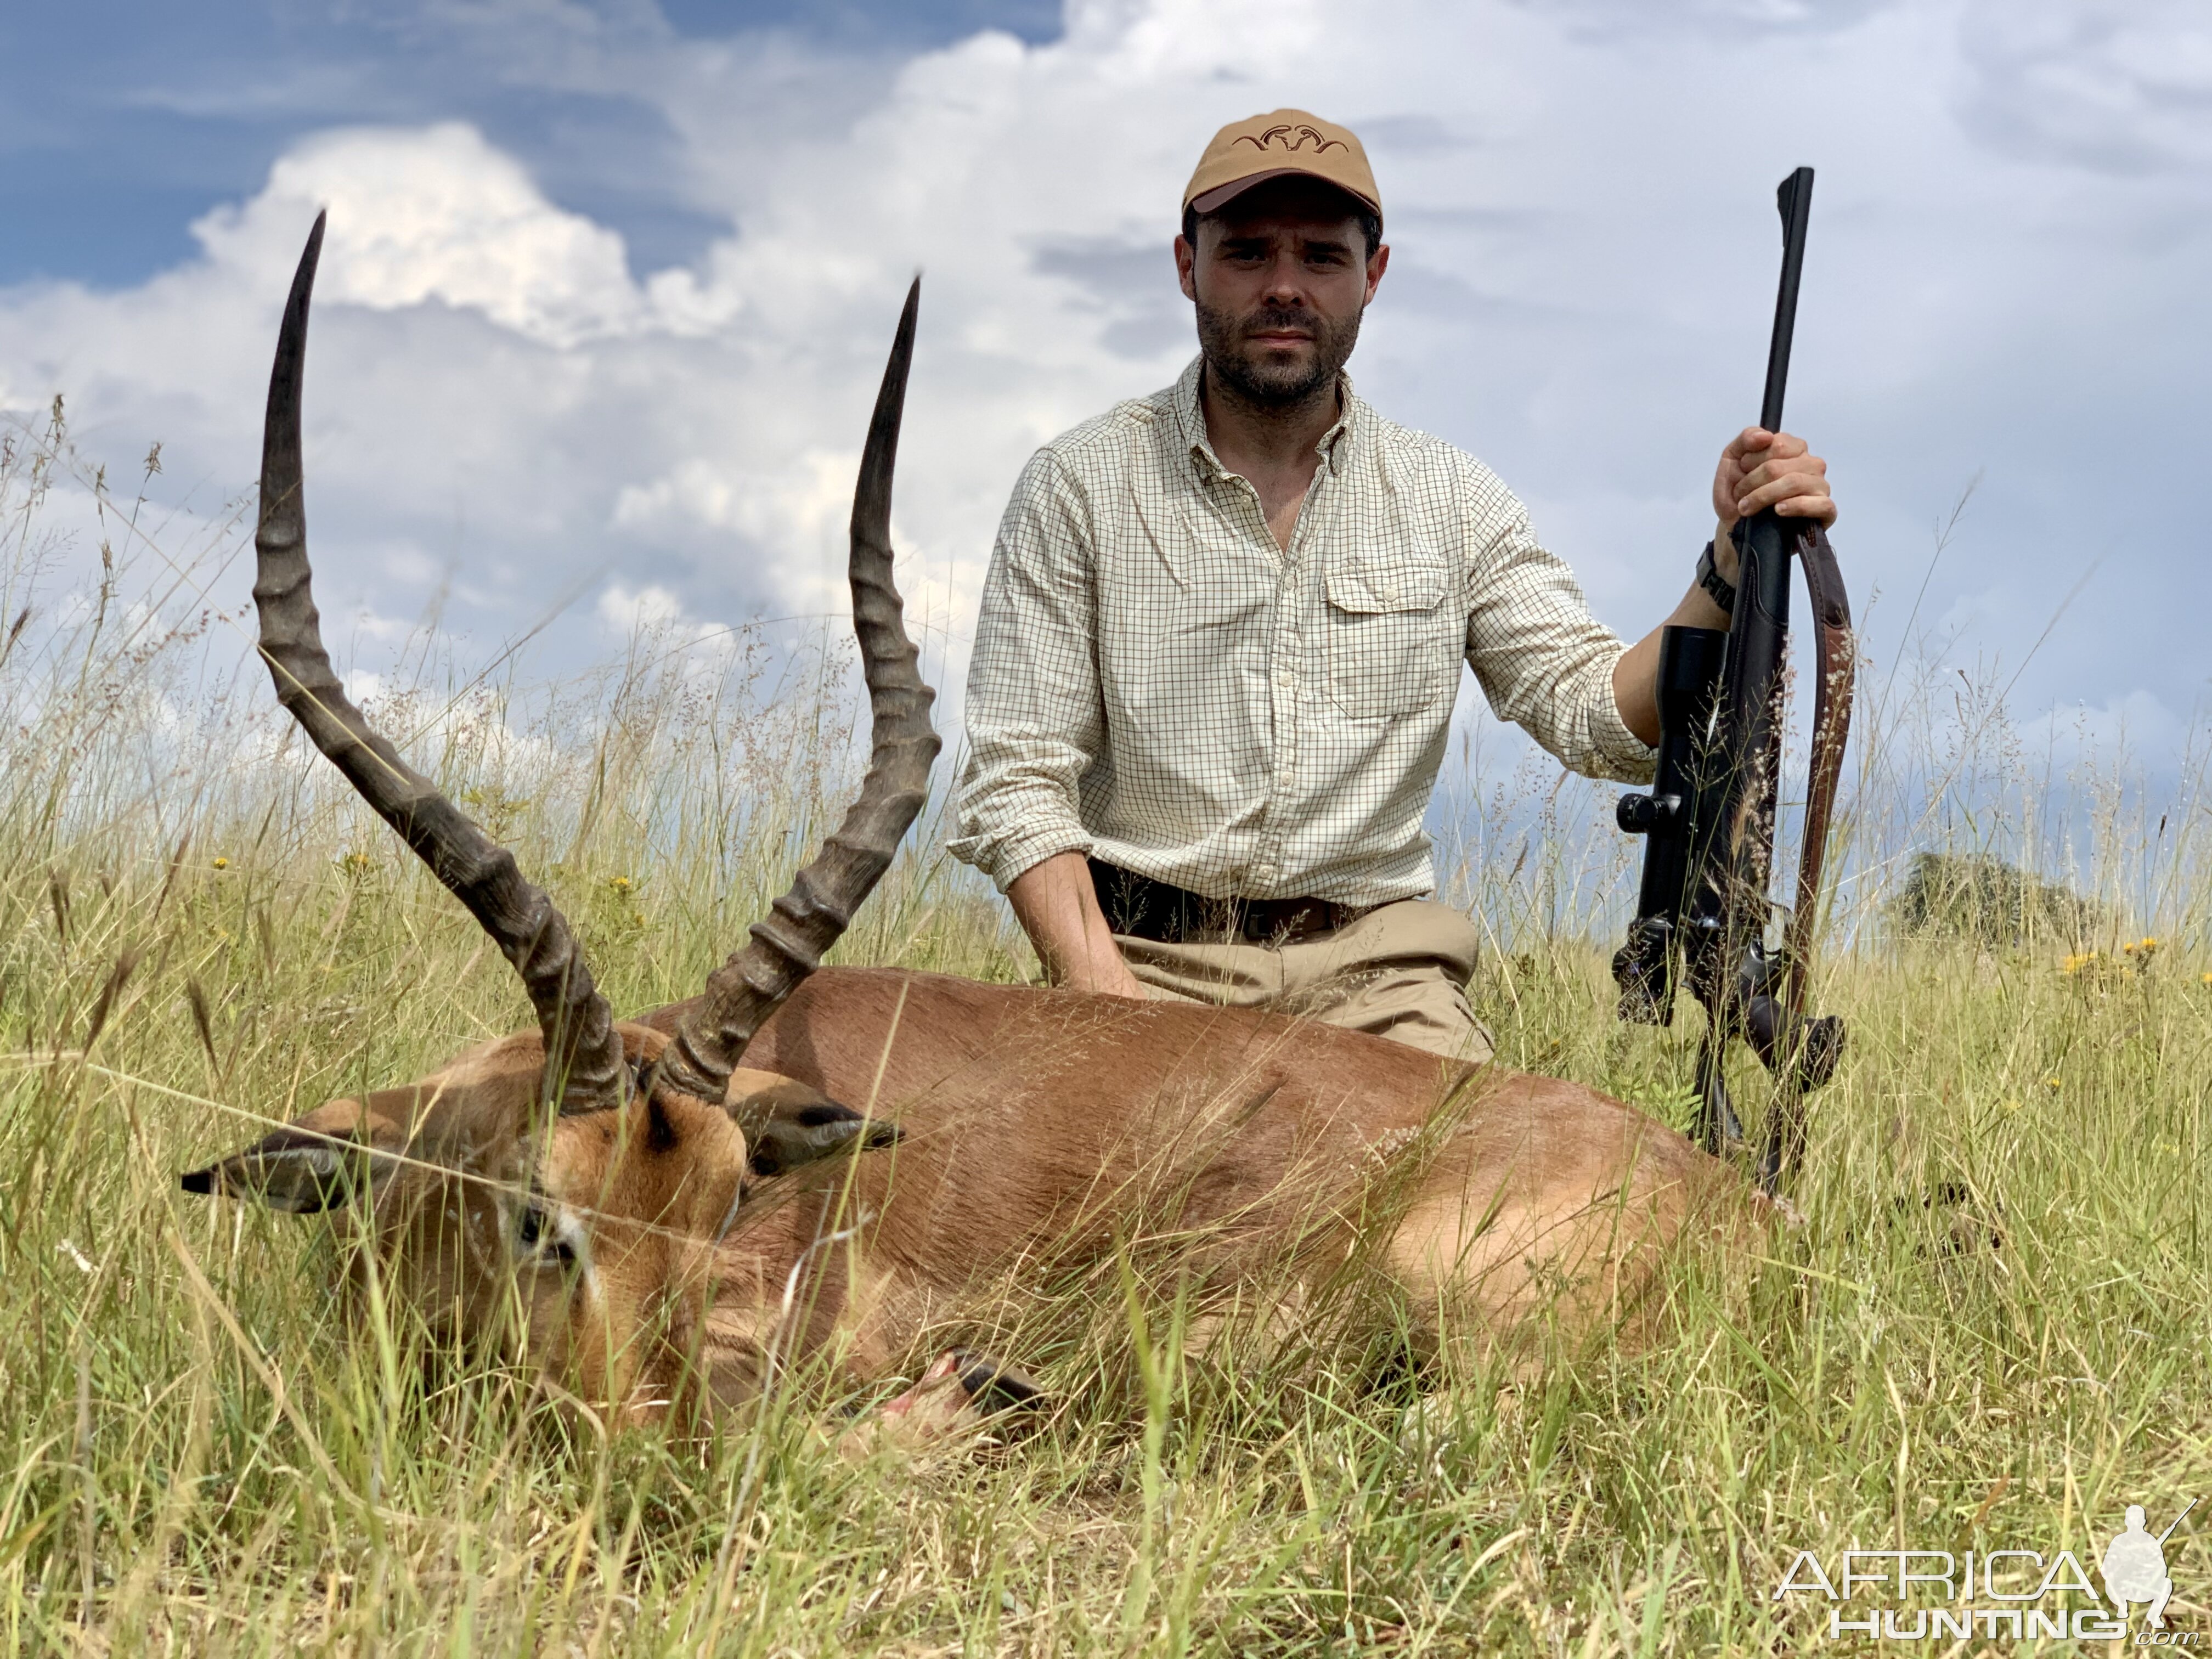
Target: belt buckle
1267,921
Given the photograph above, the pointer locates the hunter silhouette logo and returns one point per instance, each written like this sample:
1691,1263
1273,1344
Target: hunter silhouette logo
2135,1567
1281,137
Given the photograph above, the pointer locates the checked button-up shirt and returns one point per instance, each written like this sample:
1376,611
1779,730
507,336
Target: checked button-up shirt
1157,683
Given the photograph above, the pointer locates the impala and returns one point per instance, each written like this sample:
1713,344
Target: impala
832,1164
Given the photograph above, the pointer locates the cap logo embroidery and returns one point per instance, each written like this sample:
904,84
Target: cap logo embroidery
1281,136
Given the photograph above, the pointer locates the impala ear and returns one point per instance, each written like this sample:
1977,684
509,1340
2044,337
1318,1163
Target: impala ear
323,1162
789,1123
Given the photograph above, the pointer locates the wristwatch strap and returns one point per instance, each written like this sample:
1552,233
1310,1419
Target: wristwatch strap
1710,578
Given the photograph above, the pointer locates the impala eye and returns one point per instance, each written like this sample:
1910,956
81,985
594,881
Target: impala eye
542,1241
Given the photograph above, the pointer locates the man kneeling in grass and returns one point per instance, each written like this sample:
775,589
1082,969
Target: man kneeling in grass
1222,629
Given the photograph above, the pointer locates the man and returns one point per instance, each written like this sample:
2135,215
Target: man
1222,629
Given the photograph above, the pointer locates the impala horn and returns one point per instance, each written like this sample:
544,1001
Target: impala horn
788,945
584,1067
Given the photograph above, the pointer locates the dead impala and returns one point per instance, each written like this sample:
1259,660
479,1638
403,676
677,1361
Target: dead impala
665,1224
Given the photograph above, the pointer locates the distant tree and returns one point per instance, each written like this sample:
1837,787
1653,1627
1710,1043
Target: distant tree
1976,897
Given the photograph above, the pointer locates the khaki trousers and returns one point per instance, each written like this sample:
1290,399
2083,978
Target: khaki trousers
1401,971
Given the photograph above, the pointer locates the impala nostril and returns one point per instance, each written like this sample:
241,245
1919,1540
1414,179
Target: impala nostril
541,1237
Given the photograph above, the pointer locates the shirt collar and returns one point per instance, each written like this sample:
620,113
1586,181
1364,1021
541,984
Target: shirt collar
1335,444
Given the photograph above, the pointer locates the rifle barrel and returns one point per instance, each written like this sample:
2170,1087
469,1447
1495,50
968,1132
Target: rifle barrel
1795,199
2176,1522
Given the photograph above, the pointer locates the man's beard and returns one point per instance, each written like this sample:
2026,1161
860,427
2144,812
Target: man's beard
1222,336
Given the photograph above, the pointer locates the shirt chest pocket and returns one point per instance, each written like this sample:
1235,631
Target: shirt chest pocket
1394,642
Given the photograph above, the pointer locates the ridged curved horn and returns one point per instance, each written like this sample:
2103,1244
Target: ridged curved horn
788,945
583,1053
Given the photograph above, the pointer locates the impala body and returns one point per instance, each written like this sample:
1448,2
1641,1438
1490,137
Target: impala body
665,1227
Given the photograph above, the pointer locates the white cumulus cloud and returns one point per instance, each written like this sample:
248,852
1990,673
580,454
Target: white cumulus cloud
627,610
435,213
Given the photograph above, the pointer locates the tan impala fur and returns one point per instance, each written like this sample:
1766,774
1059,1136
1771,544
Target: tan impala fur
663,1213
1034,1124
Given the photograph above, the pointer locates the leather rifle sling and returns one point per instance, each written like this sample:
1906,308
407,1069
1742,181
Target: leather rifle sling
1837,662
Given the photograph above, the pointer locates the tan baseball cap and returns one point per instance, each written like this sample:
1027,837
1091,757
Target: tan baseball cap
1262,147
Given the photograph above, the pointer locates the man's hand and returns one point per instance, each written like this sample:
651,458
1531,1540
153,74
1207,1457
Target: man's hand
1760,470
1058,909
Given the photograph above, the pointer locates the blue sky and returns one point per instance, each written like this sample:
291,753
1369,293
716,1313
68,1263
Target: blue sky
609,284
122,122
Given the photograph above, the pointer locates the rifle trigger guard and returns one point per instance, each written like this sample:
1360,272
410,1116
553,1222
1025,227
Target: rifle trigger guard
1820,1052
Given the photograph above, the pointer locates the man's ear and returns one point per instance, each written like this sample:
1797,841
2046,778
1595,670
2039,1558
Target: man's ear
322,1162
1377,262
794,1124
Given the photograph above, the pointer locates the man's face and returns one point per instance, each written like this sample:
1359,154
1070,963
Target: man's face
1280,276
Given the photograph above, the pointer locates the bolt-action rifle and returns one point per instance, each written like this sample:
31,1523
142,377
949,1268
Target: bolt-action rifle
1703,910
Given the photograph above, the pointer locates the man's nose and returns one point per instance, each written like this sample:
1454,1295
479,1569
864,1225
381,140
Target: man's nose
1286,283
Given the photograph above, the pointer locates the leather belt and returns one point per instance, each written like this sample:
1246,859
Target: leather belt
1144,909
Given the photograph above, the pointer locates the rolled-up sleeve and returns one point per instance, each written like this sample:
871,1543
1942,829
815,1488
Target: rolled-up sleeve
1543,660
1034,715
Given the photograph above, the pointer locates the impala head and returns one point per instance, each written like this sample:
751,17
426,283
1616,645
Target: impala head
568,1184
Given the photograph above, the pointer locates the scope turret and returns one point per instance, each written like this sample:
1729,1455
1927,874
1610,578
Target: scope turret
1644,815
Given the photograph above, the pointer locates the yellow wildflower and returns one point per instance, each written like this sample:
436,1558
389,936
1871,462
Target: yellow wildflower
223,864
2143,947
2051,1082
2082,962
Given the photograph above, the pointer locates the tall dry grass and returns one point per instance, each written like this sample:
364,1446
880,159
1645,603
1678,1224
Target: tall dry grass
1990,1330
